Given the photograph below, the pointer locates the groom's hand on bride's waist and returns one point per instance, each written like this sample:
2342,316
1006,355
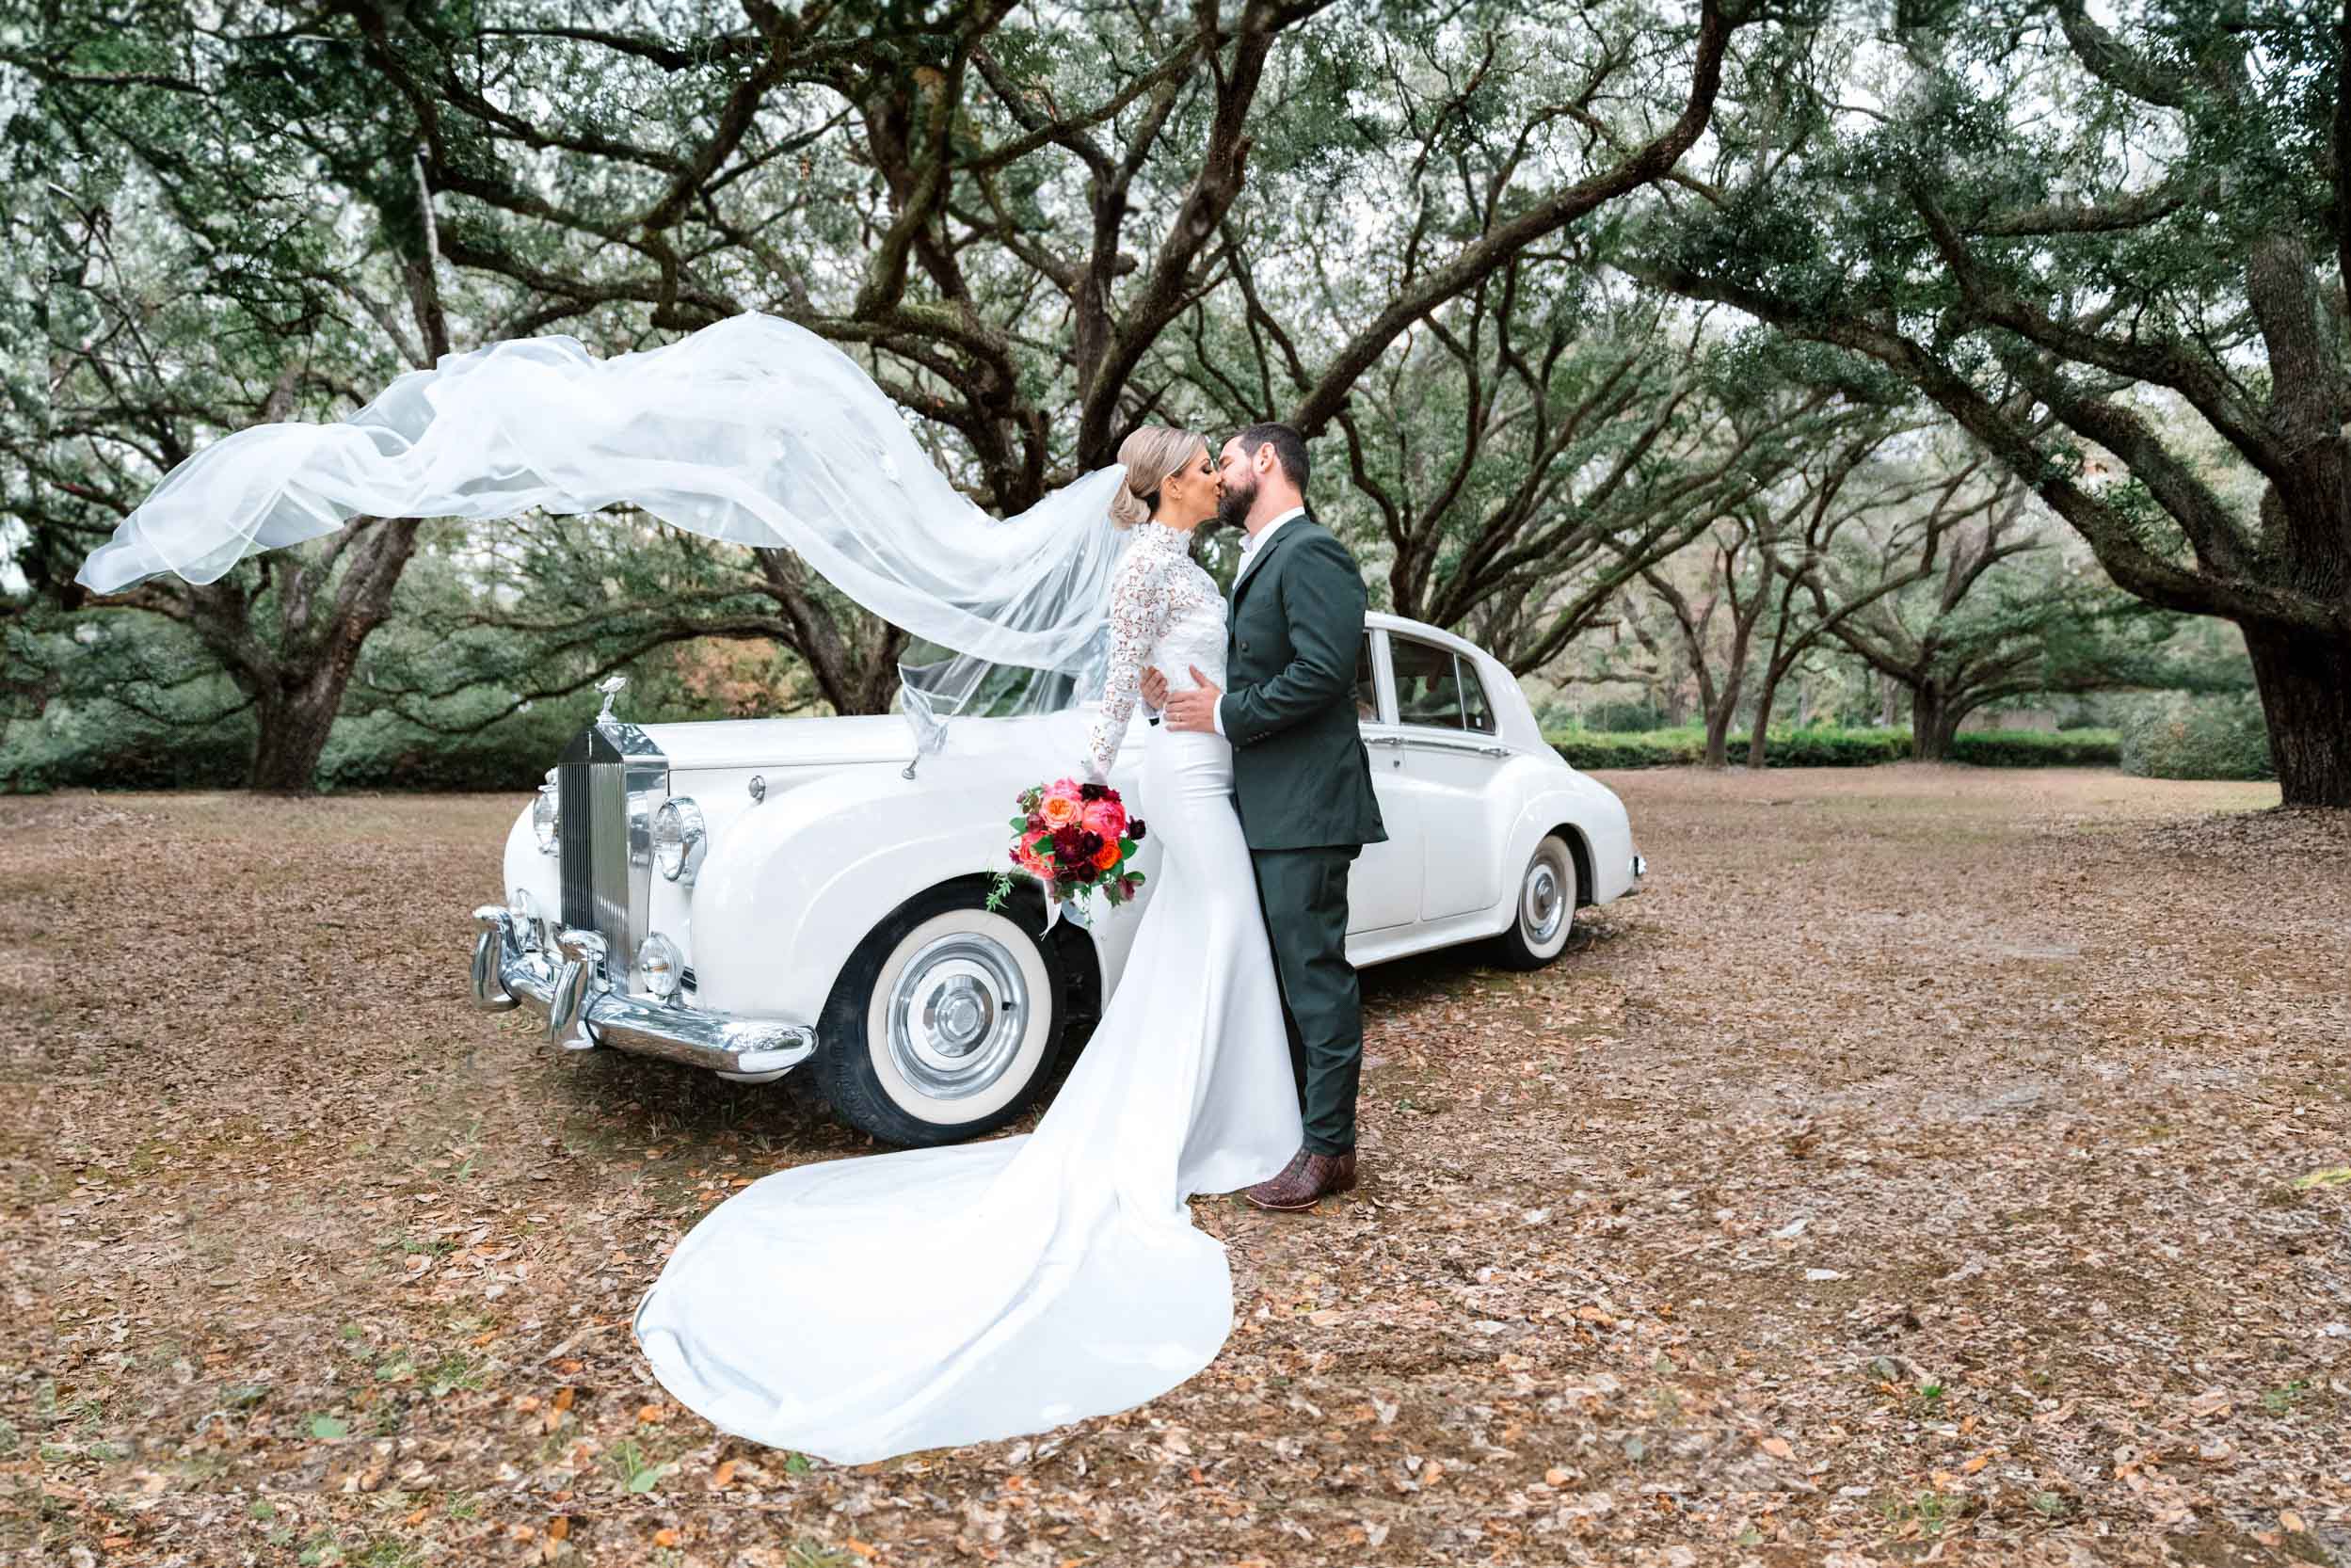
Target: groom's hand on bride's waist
1195,709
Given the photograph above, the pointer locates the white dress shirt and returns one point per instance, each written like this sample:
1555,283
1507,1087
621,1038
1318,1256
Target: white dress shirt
1250,549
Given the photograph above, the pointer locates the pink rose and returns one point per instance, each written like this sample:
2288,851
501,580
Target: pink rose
1106,817
1034,853
1062,807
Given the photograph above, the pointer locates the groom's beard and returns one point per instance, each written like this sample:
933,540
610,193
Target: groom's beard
1233,509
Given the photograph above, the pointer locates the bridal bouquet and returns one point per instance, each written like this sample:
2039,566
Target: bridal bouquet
1076,839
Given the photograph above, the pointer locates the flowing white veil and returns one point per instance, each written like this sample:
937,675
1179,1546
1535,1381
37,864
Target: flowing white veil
751,430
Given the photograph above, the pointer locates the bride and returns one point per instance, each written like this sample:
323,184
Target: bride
866,1307
861,1308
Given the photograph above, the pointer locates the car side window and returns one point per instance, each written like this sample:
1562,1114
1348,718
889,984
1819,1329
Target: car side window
1475,708
1428,686
1367,685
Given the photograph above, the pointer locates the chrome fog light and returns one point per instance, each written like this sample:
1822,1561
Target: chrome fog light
545,817
523,910
677,838
660,965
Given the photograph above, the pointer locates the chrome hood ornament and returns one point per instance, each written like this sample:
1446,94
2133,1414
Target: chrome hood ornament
611,686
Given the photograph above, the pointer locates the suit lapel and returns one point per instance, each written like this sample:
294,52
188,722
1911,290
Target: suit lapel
1259,568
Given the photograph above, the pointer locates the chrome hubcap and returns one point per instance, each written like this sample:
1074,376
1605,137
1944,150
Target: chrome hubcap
1543,903
957,1015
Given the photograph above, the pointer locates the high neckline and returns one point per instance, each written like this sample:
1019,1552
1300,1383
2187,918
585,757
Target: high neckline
1159,535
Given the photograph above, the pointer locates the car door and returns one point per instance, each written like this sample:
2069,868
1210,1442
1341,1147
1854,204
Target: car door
1447,753
1383,883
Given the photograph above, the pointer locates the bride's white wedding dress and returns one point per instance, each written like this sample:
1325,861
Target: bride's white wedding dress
861,1308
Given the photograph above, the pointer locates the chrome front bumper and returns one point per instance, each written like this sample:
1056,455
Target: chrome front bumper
571,989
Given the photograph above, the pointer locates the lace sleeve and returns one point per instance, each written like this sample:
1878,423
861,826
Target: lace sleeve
1138,616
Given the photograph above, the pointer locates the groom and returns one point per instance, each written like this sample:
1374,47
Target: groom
1301,779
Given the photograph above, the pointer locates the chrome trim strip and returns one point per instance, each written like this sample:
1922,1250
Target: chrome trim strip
696,1037
646,780
1466,748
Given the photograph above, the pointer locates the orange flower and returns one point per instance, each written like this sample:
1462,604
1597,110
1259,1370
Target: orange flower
1060,810
1108,856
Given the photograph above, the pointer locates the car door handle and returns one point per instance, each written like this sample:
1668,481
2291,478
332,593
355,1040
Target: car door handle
1383,740
1493,751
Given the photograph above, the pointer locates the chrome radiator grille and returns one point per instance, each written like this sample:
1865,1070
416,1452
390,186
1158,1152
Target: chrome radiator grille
609,781
575,836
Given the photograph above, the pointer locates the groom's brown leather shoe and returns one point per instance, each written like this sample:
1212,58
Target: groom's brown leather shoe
1304,1180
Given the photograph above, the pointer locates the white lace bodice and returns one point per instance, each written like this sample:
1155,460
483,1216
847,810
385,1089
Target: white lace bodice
1164,612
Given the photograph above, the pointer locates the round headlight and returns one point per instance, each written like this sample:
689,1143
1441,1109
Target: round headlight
678,838
660,965
544,815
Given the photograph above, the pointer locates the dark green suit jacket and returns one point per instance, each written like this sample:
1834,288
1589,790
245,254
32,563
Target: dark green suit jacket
1301,776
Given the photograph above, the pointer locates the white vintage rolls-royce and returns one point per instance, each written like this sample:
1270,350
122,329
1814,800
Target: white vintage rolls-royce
758,896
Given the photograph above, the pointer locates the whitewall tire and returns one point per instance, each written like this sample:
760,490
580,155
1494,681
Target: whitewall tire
945,1023
1544,915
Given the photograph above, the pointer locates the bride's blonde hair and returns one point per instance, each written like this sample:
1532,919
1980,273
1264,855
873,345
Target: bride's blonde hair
1151,454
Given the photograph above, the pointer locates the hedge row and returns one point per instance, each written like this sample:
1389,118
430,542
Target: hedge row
2174,735
2031,748
379,753
1825,747
363,752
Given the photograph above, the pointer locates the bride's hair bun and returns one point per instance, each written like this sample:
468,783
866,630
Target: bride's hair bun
1150,454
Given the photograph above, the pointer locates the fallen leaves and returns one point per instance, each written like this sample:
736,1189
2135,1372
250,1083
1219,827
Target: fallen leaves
1569,1290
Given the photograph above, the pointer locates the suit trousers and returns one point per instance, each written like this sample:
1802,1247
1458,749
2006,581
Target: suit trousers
1304,895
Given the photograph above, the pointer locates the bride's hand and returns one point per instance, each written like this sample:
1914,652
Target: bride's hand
1154,686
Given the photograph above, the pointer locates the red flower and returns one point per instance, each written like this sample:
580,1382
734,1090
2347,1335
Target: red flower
1134,828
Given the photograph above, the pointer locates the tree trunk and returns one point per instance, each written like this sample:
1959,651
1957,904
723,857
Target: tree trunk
2305,683
1763,721
1718,735
321,644
1932,722
293,729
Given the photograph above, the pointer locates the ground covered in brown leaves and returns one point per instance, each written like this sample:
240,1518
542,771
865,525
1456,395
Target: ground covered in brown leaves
1932,1164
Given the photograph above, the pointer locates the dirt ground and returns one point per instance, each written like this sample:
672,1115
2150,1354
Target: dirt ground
1932,1164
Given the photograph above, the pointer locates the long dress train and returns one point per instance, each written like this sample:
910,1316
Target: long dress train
861,1308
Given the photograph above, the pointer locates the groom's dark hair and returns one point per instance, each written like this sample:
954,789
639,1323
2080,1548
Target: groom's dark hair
1290,450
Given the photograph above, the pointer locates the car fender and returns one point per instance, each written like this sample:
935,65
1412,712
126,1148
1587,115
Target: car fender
1552,795
800,881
